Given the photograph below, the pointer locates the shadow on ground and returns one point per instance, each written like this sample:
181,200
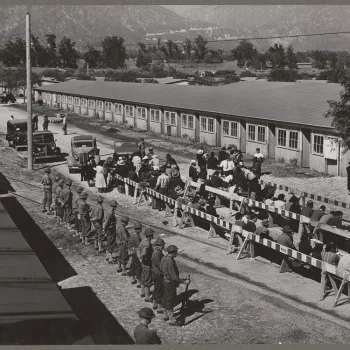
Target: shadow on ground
95,317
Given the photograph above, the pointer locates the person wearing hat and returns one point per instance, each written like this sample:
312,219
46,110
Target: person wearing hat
171,281
286,238
202,163
263,230
97,215
123,237
35,122
54,200
109,227
157,276
47,183
142,334
145,252
84,217
67,204
133,245
59,202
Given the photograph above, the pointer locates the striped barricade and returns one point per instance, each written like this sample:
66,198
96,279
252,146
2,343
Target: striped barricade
252,239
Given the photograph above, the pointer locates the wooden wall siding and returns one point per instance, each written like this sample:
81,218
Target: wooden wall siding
191,133
141,123
287,154
271,141
84,111
178,125
226,140
218,131
306,148
154,125
92,112
243,136
252,146
109,116
197,128
206,136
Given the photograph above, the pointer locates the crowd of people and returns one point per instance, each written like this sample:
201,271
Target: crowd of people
135,254
143,261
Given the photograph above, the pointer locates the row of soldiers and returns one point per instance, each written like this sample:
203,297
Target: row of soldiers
134,253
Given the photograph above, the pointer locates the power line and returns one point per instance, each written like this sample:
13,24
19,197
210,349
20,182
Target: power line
233,39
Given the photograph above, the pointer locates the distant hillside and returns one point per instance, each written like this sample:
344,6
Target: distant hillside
90,24
260,21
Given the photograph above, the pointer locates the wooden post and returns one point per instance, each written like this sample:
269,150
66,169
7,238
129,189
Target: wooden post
29,94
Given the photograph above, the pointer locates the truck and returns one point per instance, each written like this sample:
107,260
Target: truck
124,149
82,147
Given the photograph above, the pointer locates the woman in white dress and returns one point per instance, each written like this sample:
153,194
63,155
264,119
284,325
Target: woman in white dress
100,181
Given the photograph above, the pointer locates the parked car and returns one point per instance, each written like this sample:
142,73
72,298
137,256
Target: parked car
44,146
17,133
82,147
6,98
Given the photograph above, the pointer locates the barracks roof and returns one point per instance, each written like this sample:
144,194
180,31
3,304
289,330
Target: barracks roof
303,103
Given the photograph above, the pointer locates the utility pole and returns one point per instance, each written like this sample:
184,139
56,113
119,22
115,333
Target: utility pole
29,94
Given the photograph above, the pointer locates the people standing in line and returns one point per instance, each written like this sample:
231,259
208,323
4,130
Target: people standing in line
65,125
171,281
76,201
47,183
157,276
46,123
67,204
84,216
133,245
54,200
145,254
100,181
123,237
97,215
142,334
59,202
109,227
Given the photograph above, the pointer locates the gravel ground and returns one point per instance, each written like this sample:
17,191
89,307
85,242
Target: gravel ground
238,315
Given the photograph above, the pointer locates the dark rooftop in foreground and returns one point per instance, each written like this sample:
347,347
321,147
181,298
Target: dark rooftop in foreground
302,103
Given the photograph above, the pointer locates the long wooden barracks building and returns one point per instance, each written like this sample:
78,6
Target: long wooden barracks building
285,120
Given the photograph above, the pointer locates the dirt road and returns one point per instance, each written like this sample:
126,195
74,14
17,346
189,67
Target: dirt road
239,314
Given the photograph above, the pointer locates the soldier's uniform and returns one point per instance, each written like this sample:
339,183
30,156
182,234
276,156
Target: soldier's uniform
110,229
122,241
171,281
133,245
145,253
59,202
54,201
76,201
47,182
97,216
84,213
157,276
67,204
142,334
